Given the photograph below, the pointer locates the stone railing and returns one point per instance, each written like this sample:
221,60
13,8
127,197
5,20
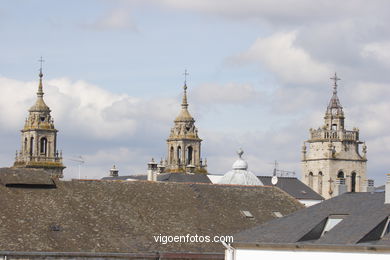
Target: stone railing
333,135
30,158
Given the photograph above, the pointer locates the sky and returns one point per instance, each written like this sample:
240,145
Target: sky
259,77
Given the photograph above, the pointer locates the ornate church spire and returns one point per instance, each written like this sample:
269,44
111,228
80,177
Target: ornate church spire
334,106
334,116
184,103
184,145
184,115
40,88
39,138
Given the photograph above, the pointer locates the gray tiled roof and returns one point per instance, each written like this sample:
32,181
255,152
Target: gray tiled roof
168,177
294,187
25,176
118,216
364,212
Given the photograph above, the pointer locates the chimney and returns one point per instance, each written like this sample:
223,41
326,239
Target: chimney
114,172
341,187
190,169
369,186
152,167
387,190
161,167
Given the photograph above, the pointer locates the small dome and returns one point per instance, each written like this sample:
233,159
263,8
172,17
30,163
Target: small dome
40,106
240,164
184,116
240,174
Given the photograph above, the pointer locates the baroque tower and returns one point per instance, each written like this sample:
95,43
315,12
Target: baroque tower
334,156
39,138
184,144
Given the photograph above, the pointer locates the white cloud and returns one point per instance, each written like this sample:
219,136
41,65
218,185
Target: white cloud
379,51
117,19
280,55
14,102
286,12
82,109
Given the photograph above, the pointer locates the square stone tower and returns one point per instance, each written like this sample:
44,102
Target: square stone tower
333,153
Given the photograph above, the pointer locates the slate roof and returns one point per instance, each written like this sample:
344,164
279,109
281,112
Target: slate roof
364,212
294,187
123,216
168,177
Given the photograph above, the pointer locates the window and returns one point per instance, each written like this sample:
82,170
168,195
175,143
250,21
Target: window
189,155
31,146
179,154
43,145
171,155
378,232
324,226
311,180
247,214
320,175
331,222
340,175
25,144
386,230
353,182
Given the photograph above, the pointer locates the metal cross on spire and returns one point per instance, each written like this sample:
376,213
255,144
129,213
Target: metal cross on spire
185,76
41,60
335,79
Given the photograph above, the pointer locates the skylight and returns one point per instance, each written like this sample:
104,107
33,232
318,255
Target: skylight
386,230
247,214
331,222
324,226
278,214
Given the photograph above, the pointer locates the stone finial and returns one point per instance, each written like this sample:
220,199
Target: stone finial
240,152
364,148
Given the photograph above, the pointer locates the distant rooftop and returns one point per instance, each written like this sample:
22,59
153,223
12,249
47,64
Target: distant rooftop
349,219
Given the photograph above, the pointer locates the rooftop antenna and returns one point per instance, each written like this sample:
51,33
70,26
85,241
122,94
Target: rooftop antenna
80,161
281,173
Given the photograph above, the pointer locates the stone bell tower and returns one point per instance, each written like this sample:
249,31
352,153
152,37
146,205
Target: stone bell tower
334,155
184,144
39,138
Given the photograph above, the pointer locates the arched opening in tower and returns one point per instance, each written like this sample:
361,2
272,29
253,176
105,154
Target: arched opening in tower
311,180
340,175
353,182
189,155
179,154
171,153
31,146
43,146
25,145
320,175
